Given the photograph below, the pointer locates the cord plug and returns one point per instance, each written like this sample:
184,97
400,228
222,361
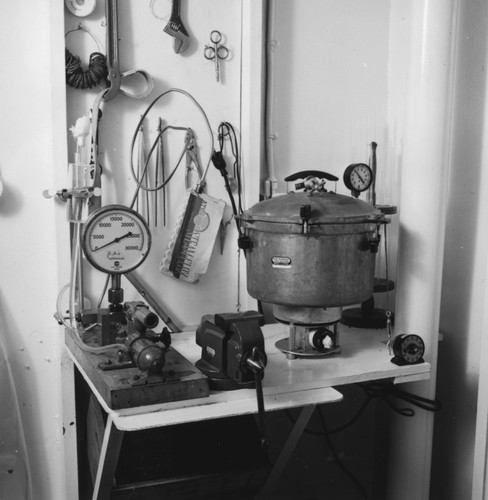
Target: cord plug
219,162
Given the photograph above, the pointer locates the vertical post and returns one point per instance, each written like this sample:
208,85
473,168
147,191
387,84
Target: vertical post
423,193
253,34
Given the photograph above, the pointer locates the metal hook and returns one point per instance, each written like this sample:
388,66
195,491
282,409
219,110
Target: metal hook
81,27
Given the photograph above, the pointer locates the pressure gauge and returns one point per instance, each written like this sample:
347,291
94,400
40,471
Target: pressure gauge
408,349
116,239
358,177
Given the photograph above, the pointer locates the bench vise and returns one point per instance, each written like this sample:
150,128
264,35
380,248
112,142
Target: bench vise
232,349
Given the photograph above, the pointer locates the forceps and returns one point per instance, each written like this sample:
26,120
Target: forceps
217,52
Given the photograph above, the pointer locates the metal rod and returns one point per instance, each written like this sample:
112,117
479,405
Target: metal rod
151,301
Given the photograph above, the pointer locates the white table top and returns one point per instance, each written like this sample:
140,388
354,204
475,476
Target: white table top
286,384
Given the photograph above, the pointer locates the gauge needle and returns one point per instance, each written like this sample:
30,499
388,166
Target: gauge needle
115,240
360,178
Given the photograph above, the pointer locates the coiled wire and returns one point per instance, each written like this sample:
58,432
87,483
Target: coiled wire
79,78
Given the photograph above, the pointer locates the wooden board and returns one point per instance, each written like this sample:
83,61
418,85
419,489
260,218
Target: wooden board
129,387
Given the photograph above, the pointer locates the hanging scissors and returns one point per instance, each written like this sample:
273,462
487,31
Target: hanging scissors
216,53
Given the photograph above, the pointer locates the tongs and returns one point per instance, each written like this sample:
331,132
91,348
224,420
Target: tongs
114,74
175,28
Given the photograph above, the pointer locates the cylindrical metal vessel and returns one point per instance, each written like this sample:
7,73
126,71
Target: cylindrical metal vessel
311,250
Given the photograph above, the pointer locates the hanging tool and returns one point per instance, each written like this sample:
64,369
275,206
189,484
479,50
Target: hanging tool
193,167
114,75
112,49
175,28
159,174
217,53
142,166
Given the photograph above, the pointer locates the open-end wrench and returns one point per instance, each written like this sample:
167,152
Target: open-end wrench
175,28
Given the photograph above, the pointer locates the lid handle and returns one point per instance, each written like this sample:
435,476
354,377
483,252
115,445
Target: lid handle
313,173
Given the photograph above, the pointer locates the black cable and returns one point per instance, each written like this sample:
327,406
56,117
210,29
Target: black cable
226,131
339,462
383,391
229,132
387,390
79,78
220,165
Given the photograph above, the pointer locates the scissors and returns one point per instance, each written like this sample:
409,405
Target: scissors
217,52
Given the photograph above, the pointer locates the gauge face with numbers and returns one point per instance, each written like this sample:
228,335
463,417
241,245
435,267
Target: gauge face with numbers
116,239
408,348
358,177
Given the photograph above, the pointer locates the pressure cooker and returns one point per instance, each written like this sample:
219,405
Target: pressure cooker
314,248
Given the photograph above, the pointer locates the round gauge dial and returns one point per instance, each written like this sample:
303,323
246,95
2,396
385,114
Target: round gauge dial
408,349
358,177
116,239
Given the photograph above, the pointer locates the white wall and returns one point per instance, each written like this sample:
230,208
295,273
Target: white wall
143,45
464,275
32,107
331,68
352,72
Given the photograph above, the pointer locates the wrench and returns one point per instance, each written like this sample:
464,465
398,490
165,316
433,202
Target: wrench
175,28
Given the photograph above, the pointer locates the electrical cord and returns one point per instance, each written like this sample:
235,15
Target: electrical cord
383,391
79,78
226,130
337,459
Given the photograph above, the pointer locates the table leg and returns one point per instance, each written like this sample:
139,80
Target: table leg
107,463
286,452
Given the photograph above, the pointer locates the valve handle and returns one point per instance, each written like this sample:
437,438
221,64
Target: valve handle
256,363
314,173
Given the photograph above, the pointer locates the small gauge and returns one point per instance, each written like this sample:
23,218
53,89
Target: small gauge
408,349
116,239
358,177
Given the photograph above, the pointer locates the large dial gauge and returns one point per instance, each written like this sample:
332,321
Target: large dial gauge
116,239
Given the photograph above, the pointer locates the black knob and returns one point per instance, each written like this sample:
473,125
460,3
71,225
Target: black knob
305,211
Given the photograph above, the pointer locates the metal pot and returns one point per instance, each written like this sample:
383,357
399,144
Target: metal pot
311,250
